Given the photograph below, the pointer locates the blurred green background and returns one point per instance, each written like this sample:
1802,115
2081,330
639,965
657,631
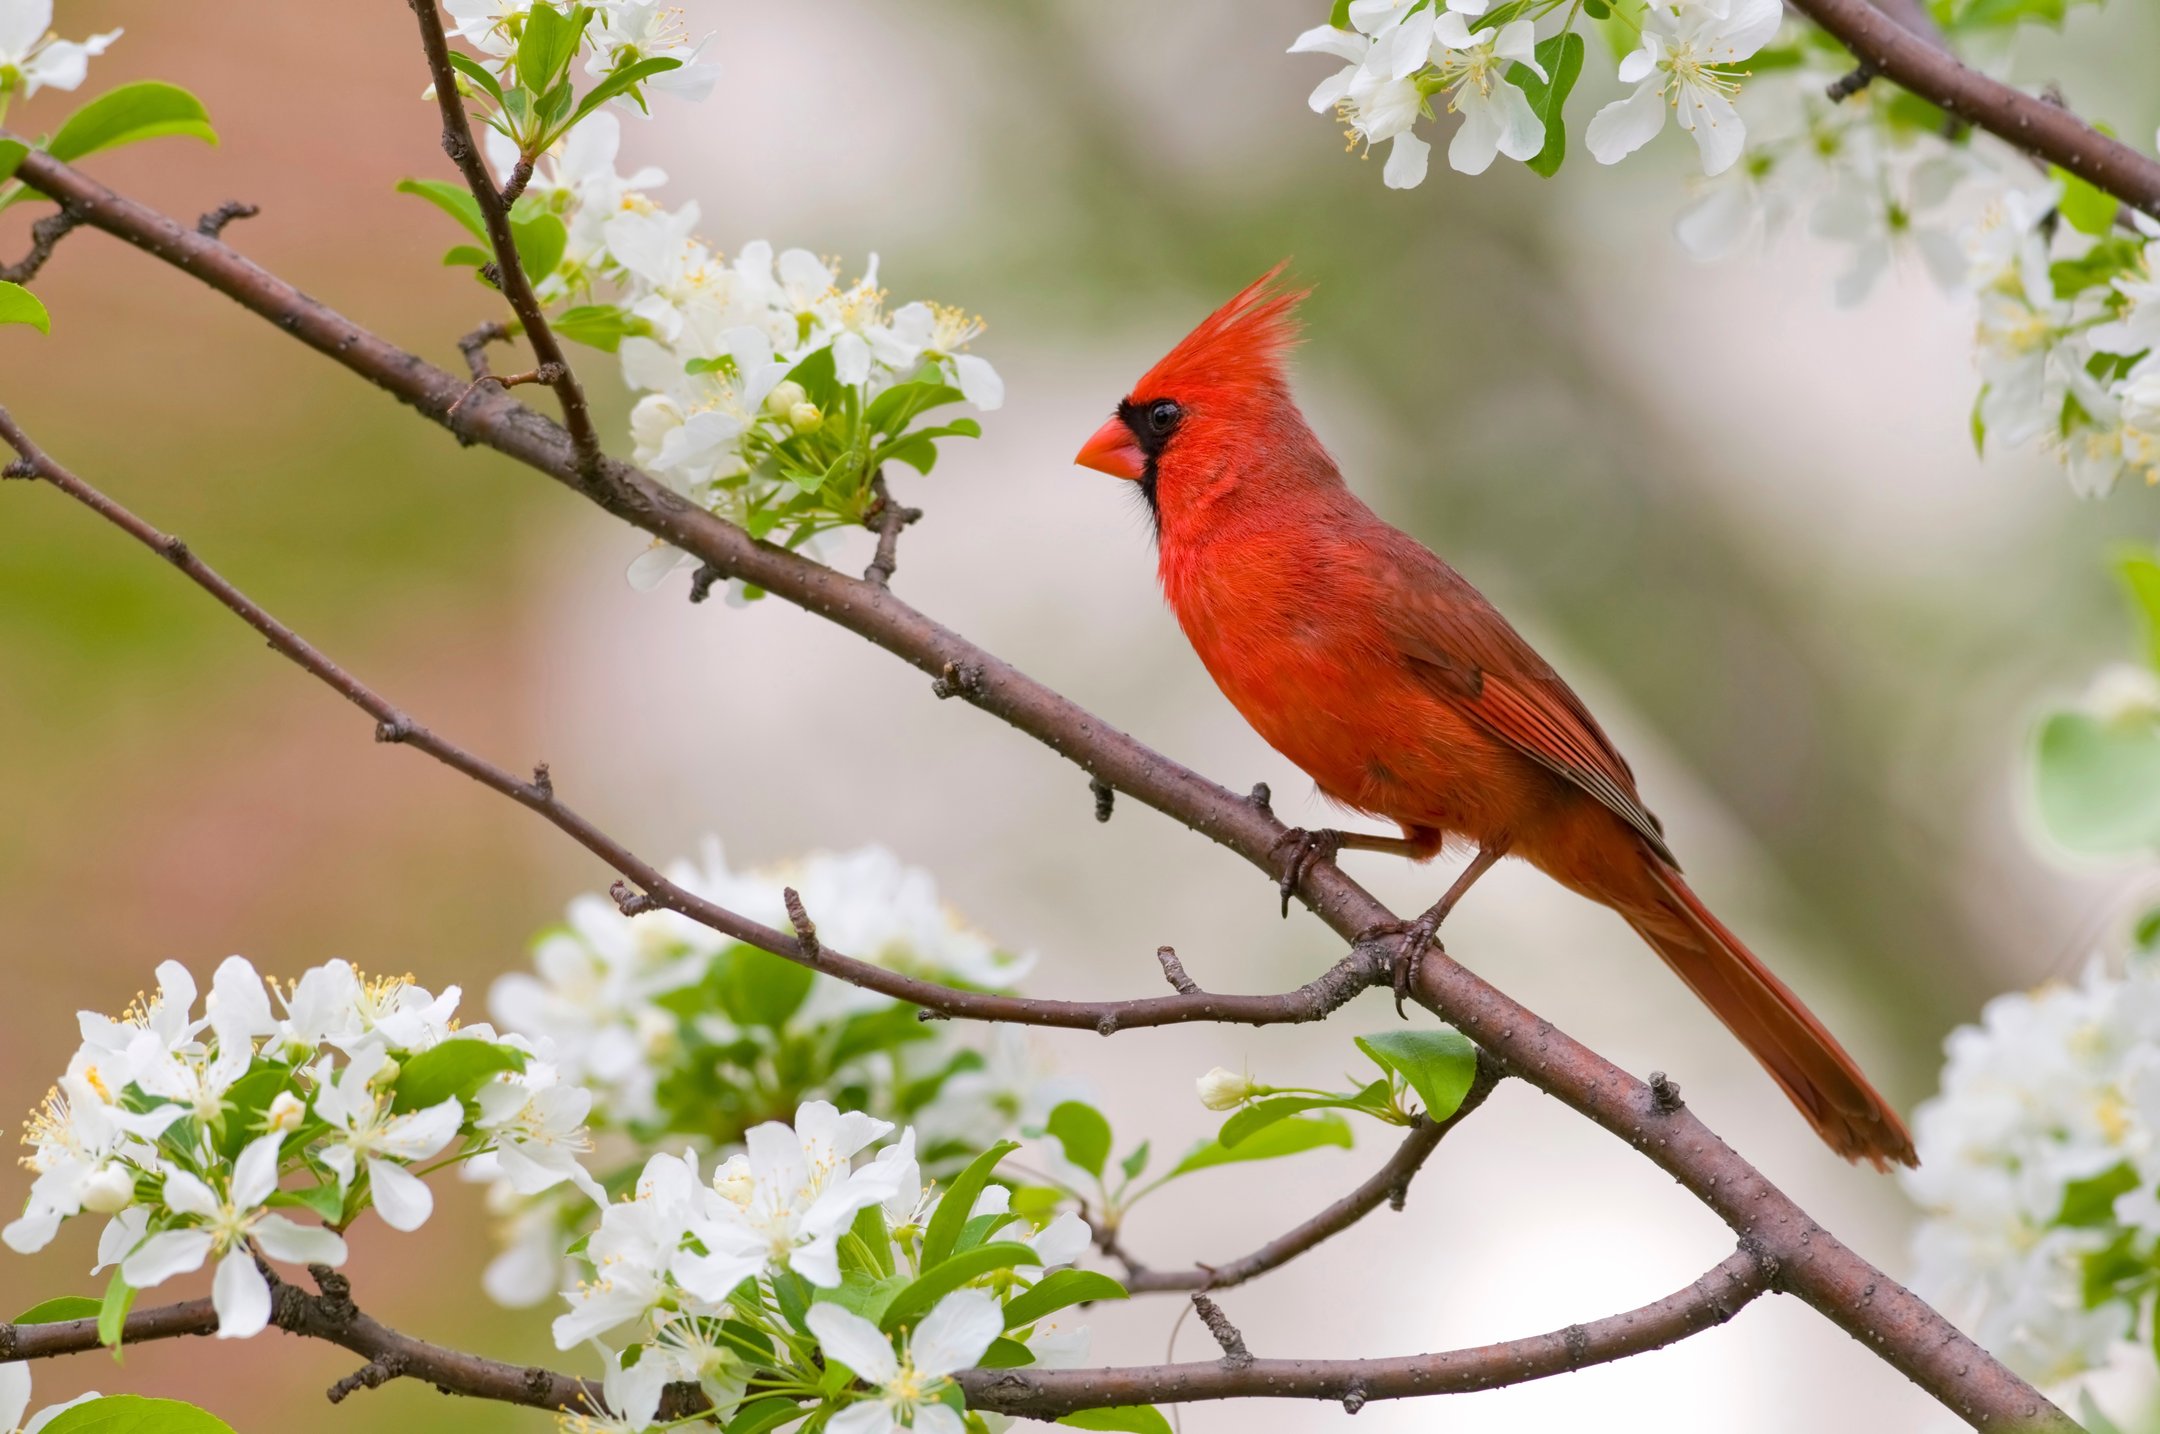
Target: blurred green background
1750,526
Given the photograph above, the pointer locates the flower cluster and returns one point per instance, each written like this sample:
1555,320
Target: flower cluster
812,1276
769,391
200,1136
2067,305
2040,1171
684,1036
1508,68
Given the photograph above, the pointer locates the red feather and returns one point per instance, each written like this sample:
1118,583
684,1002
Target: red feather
1384,674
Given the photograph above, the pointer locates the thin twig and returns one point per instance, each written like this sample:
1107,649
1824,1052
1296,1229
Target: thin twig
212,224
1361,969
516,285
1708,1302
1386,1186
886,518
45,236
474,347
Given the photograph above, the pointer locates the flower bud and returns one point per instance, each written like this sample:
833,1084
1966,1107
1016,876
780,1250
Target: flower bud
1225,1090
285,1113
804,416
784,397
110,1190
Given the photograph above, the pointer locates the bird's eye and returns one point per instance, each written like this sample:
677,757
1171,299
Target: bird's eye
1162,416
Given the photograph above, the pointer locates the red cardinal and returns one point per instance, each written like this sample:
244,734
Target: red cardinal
1380,671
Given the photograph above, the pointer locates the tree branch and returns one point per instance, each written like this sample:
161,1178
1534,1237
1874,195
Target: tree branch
1708,1302
1815,1265
1889,48
457,142
1388,1185
1362,968
329,1316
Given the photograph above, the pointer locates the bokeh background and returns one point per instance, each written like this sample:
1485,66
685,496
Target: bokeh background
1749,525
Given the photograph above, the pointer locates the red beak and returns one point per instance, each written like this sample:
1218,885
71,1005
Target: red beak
1114,451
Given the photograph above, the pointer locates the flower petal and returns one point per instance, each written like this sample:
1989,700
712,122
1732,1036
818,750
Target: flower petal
401,1197
1624,126
163,1255
857,1343
281,1239
241,1297
1406,162
255,1173
955,1333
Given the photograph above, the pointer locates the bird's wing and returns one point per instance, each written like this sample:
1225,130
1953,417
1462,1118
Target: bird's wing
1457,642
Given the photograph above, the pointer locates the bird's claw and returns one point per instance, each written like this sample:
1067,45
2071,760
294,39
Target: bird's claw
1420,934
1305,849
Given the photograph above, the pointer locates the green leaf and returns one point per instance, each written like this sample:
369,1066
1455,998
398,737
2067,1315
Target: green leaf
1128,1418
600,326
1561,57
540,243
1083,1132
1136,1162
762,1414
1056,1291
2098,783
11,155
61,1310
1285,1137
894,409
958,1203
815,374
2091,1201
19,306
327,1201
1439,1065
1005,1353
940,1280
2139,569
757,988
246,1103
454,200
869,1227
619,81
133,1414
454,1068
862,1293
478,73
1339,14
1979,421
113,1311
1262,1114
546,46
2089,208
147,109
466,256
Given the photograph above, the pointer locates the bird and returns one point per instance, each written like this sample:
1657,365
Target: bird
1381,672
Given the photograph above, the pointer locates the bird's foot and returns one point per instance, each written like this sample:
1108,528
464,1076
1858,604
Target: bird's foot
1304,849
1420,934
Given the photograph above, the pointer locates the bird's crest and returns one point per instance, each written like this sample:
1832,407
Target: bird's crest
1237,349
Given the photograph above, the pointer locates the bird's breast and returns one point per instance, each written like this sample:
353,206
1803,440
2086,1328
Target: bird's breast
1306,661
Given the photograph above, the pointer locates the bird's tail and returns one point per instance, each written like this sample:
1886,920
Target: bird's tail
1801,1056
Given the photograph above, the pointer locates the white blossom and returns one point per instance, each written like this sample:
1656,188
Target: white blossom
1496,114
33,58
1686,64
785,1202
907,1381
225,1224
367,1135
